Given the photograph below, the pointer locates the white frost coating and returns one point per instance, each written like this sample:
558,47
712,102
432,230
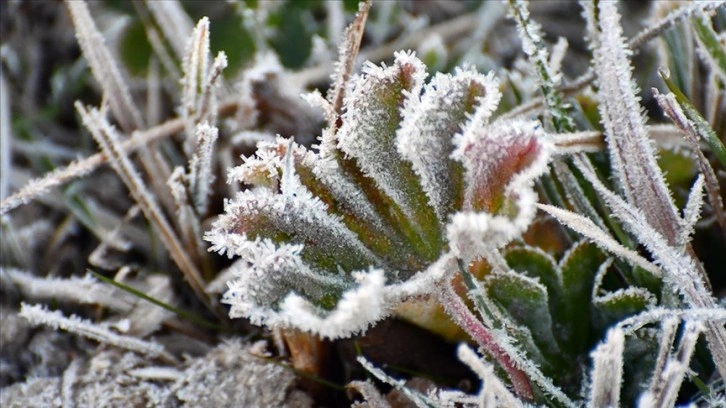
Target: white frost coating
104,67
344,190
347,54
86,290
367,389
632,153
692,212
317,100
250,138
427,128
631,292
547,69
703,51
174,23
494,392
262,168
266,64
591,29
680,269
366,118
419,399
425,281
667,383
200,166
196,68
607,371
472,234
296,211
268,276
37,315
602,270
587,141
510,346
354,312
530,33
157,373
68,382
602,239
261,281
634,323
559,50
291,187
486,152
669,329
483,152
199,102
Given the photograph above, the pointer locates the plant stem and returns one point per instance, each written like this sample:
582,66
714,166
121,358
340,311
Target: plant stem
457,310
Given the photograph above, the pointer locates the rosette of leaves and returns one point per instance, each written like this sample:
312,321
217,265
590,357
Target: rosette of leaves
408,179
558,310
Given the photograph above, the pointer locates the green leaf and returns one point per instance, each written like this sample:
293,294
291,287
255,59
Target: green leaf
639,360
578,268
476,293
534,46
679,169
527,302
537,264
680,56
297,218
523,337
620,304
380,238
192,317
710,41
293,39
645,279
135,50
373,112
228,35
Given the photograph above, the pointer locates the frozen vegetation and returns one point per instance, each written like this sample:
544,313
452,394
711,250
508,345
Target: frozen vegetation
430,204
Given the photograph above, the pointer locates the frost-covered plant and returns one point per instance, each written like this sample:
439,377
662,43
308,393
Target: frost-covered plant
421,190
331,239
412,183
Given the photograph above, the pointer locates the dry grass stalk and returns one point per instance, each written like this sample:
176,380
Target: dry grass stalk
174,23
104,67
106,137
83,167
39,315
675,113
